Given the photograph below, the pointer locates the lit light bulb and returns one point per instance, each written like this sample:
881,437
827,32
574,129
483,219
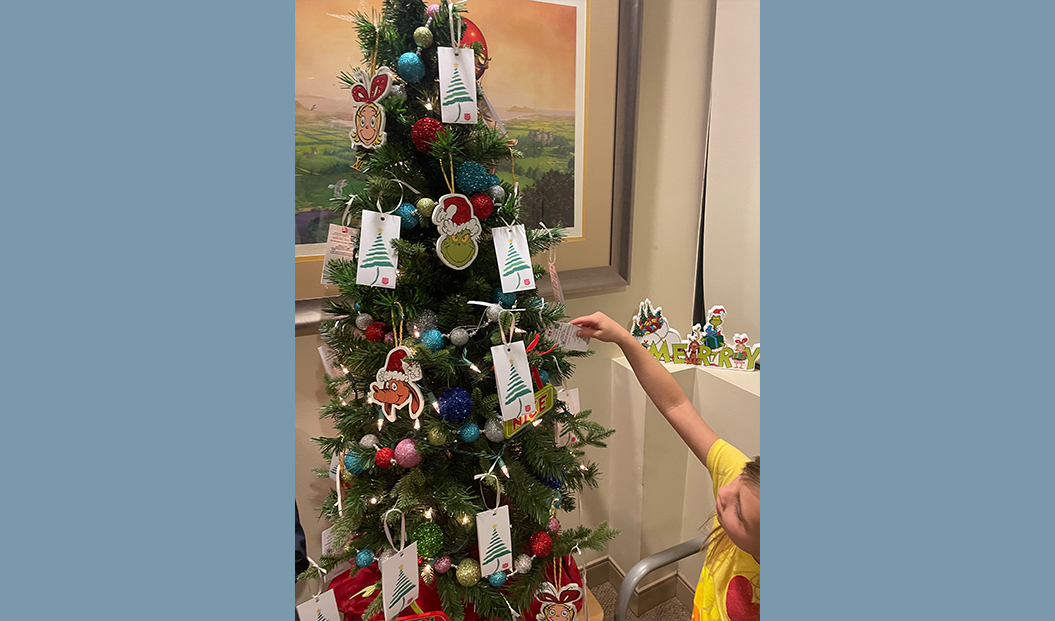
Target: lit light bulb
345,369
373,501
428,513
465,519
417,424
380,422
417,334
538,421
474,367
428,105
505,471
582,466
436,405
343,403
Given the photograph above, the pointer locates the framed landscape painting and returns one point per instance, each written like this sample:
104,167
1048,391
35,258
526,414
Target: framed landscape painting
550,77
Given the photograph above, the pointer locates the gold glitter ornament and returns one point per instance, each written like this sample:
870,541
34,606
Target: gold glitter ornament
468,572
425,207
423,36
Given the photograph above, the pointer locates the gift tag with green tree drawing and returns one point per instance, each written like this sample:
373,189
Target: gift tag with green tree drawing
514,260
514,380
377,257
322,607
457,85
492,535
399,580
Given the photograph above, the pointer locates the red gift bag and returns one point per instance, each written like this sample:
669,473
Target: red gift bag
561,592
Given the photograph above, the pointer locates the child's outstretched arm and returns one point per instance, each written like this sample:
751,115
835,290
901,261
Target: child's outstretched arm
659,385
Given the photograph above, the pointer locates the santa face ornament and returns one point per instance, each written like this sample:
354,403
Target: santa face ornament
395,387
459,231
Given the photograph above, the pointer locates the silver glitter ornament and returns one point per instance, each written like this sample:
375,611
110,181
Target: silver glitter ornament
425,321
369,441
523,564
363,321
497,193
387,554
493,431
398,91
459,336
493,312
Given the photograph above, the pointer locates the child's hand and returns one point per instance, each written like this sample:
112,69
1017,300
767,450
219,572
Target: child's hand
601,327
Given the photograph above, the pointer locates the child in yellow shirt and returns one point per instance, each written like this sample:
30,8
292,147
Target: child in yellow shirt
729,583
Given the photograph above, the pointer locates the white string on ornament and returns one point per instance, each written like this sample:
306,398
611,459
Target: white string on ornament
322,573
402,526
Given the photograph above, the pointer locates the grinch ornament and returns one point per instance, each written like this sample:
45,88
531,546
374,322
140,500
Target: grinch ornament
459,229
369,130
395,387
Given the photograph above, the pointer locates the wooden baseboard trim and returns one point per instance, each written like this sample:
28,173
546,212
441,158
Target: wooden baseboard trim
648,595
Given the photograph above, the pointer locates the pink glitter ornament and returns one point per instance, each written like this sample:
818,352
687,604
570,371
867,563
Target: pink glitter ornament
431,12
443,564
554,525
407,453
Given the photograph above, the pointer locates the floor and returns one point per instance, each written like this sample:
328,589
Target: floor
670,610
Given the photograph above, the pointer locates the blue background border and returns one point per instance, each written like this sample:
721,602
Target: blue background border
148,408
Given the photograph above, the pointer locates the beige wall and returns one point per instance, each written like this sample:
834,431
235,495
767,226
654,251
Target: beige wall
671,131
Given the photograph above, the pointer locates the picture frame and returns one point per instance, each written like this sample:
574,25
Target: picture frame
599,258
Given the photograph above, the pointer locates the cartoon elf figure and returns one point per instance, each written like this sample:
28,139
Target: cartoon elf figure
740,355
369,129
557,605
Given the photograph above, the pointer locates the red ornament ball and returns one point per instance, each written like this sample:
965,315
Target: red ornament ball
482,205
541,544
376,331
424,133
385,457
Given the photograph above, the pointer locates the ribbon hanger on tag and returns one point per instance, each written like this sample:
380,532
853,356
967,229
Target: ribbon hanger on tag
498,490
402,529
322,574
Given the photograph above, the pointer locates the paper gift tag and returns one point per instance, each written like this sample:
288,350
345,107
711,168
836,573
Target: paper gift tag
329,361
567,337
564,433
335,463
399,580
492,535
513,378
321,608
340,244
554,283
377,257
514,262
457,85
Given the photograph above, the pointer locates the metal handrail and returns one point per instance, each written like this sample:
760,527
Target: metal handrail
650,564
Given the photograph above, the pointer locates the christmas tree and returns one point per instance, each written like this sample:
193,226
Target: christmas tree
495,549
377,256
456,93
438,488
403,586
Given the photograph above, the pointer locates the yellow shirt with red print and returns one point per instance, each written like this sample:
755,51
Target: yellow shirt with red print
727,587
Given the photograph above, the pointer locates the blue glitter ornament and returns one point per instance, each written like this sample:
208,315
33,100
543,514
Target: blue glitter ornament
408,218
469,432
433,339
455,405
554,483
352,464
505,299
364,558
497,579
543,376
410,67
472,177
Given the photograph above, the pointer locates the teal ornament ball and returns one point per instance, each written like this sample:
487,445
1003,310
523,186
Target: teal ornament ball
408,217
410,67
497,579
544,376
471,177
433,339
430,539
469,432
507,300
352,464
364,558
